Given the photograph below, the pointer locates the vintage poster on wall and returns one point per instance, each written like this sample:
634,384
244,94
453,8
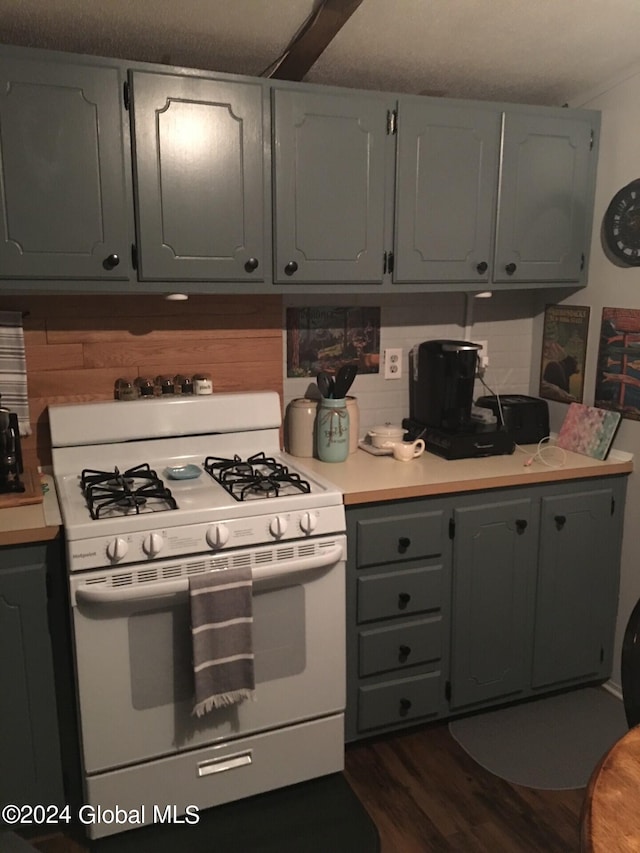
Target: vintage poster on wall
326,338
618,374
564,348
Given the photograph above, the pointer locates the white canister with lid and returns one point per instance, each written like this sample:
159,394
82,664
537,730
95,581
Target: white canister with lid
300,425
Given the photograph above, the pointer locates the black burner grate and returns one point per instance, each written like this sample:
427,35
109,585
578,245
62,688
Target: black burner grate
133,491
255,478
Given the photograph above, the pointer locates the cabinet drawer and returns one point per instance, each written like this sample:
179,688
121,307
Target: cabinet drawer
395,646
399,593
400,537
398,701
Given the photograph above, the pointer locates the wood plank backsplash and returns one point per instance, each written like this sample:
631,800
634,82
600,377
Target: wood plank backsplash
78,346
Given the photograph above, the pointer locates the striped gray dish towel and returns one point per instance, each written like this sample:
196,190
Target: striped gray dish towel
13,369
221,630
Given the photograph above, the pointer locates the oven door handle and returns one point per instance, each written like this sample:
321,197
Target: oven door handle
287,569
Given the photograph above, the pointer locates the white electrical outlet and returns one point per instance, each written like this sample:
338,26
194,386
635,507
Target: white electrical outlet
393,364
483,354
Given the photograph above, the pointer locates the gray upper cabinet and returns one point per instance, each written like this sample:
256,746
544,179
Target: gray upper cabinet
486,196
63,192
447,163
199,178
543,222
329,158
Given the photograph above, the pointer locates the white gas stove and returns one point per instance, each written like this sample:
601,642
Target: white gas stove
163,478
153,493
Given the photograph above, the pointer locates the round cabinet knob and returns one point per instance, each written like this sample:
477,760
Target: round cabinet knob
116,549
482,267
510,269
218,535
111,262
405,707
291,267
153,544
278,526
251,265
308,522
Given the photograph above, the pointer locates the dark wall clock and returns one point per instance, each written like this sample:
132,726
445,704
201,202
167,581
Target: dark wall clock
621,226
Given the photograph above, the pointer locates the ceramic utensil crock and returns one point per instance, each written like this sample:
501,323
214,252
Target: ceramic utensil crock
332,430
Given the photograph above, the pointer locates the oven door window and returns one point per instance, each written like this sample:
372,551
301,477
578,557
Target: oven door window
160,647
134,671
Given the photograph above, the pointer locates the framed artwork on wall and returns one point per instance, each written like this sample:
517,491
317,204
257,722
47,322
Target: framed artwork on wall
564,349
324,339
618,374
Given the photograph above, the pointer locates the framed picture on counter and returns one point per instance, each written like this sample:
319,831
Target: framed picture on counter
564,349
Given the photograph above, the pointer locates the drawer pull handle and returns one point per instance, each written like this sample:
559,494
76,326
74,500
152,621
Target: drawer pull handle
403,599
404,652
521,525
403,543
560,521
405,707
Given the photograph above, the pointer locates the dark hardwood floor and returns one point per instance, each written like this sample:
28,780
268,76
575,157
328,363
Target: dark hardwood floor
425,794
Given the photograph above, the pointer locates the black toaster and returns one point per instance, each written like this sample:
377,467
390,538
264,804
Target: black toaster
526,419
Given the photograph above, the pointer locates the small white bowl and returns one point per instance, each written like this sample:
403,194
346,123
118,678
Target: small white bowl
386,435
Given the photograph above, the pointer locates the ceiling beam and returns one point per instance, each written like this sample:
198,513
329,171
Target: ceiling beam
313,39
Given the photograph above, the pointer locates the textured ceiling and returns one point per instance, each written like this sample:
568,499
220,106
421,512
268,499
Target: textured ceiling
528,51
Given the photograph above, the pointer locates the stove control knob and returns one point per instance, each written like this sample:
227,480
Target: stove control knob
308,522
153,544
218,535
278,526
116,549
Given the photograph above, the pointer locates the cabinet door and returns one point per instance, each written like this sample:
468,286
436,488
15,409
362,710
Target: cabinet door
63,195
577,587
199,178
547,171
447,167
329,181
29,739
494,566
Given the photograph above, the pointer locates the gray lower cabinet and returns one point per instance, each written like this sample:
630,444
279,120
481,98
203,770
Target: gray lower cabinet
577,594
199,178
64,197
29,737
494,575
329,172
398,595
491,195
473,600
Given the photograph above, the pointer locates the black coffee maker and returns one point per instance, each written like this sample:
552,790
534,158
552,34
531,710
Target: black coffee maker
10,452
441,382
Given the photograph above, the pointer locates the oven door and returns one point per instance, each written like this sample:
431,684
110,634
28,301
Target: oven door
133,652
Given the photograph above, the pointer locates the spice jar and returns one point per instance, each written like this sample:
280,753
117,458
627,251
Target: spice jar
202,383
125,390
145,387
183,384
165,384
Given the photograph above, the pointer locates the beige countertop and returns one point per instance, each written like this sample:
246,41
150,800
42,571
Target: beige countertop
364,478
33,523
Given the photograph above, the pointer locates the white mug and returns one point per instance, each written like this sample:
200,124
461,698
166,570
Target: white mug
405,451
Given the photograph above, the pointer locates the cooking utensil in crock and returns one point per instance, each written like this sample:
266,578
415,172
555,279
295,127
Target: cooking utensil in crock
325,384
344,380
